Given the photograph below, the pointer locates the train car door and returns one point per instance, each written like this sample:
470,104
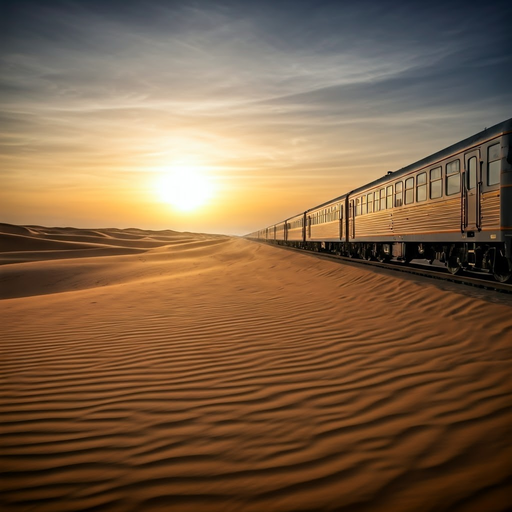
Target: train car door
471,191
342,206
352,219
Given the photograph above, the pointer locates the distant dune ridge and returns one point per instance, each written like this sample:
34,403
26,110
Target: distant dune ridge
174,371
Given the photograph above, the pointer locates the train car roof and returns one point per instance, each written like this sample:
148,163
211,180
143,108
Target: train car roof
339,198
493,131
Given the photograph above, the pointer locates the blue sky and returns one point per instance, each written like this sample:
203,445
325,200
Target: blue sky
284,104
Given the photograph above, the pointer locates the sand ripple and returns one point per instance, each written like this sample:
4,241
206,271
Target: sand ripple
220,374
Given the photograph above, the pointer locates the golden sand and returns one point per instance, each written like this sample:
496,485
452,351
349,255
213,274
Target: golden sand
147,371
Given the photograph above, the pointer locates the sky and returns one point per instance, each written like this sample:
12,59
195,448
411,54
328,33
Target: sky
275,106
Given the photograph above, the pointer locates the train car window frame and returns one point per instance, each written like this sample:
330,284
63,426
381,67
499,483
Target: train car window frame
436,183
363,205
493,164
399,194
471,174
452,186
409,191
376,201
358,206
382,198
369,202
421,187
389,197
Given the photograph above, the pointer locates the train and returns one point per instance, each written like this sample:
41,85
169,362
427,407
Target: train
452,207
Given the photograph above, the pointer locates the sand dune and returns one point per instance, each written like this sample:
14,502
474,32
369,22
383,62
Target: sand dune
36,243
212,373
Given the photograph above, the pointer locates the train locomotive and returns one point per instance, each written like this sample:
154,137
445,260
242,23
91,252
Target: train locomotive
454,207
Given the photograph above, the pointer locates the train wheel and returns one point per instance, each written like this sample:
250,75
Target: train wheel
455,260
453,265
502,269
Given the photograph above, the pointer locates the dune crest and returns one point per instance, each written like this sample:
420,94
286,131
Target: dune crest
213,373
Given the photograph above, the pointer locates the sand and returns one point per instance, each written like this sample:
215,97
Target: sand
147,371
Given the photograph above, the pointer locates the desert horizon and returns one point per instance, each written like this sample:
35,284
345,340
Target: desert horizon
178,371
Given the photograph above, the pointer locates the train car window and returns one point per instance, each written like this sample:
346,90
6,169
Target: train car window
452,178
436,183
370,202
358,207
382,198
421,187
409,191
471,176
398,194
493,165
363,205
389,197
376,201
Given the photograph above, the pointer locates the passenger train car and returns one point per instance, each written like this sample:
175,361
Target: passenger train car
454,206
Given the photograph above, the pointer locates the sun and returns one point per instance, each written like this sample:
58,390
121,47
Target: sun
185,187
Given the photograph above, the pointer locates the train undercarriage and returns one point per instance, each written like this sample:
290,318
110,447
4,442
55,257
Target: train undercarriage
456,257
